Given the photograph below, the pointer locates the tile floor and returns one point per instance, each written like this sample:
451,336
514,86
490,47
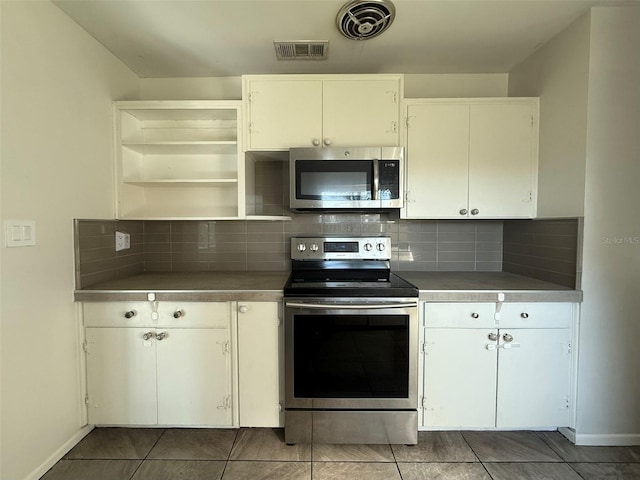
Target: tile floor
260,453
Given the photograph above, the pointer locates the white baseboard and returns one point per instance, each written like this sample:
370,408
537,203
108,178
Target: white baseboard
607,440
570,433
58,454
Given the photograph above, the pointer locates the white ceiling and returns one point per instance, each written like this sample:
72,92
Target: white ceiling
214,38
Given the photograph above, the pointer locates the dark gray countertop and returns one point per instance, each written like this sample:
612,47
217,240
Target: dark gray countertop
485,287
194,286
267,286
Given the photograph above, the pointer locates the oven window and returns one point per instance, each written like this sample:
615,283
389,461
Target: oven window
351,356
335,180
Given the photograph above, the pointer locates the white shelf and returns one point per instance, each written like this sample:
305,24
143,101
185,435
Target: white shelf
197,182
186,148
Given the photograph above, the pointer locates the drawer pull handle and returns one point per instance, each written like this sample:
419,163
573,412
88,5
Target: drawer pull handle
130,314
161,336
178,313
492,336
147,336
524,315
475,315
507,338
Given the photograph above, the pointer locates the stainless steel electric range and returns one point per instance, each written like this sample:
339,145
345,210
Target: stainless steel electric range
351,344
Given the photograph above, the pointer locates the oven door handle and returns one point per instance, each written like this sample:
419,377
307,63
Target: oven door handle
350,306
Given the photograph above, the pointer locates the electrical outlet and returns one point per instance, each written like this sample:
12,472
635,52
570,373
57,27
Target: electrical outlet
123,241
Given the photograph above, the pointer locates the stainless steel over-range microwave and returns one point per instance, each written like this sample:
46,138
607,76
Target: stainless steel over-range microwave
341,178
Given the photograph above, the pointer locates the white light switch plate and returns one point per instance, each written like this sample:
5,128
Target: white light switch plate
123,241
19,233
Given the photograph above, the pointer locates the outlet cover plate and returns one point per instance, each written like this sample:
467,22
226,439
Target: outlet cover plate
123,241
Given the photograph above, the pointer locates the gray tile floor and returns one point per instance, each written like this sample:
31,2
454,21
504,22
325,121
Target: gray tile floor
260,453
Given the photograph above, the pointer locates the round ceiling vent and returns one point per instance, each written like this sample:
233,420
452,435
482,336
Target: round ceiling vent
363,19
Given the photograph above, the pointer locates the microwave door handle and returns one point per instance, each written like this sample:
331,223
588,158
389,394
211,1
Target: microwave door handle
376,179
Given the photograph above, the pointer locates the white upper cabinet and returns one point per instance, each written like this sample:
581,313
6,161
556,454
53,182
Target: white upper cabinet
471,158
179,160
286,111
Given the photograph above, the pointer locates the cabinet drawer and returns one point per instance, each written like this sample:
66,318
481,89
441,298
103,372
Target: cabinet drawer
170,314
459,315
194,314
116,314
536,315
512,315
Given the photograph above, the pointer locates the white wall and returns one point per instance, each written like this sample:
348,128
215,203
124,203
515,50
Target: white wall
415,86
588,78
56,90
558,73
609,369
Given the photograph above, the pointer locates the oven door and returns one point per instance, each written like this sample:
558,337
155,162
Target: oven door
346,354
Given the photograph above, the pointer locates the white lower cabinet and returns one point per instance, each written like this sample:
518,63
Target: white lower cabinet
516,374
260,364
121,377
170,371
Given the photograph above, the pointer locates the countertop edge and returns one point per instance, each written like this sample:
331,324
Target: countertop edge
510,296
178,295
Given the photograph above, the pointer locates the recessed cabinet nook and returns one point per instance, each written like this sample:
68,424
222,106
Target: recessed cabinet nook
220,363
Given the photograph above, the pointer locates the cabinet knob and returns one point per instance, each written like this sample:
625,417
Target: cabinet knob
161,336
178,313
243,309
147,336
463,211
327,141
475,211
315,142
524,315
475,315
492,336
507,338
130,314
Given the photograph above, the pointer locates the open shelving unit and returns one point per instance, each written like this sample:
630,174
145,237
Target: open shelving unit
179,160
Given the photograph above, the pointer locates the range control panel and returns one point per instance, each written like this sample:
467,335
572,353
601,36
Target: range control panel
346,248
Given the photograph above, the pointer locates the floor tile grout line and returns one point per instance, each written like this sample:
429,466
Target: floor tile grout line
147,455
226,463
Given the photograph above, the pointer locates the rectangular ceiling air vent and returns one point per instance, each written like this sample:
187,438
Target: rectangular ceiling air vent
302,50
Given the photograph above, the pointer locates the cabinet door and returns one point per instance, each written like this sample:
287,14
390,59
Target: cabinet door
121,376
259,364
194,377
533,378
437,161
501,160
459,378
284,114
361,112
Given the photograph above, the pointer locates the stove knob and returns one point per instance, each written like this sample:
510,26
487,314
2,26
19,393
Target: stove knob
314,247
302,247
380,247
368,247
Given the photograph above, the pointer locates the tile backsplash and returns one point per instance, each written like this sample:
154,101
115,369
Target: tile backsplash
544,250
96,258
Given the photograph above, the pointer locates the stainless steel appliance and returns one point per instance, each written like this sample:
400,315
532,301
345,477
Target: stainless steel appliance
351,340
338,178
